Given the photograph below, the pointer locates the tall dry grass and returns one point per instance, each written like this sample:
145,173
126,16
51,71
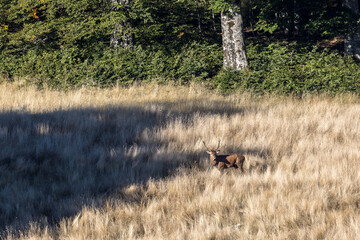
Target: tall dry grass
129,164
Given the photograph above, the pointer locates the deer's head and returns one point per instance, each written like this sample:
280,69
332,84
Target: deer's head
213,152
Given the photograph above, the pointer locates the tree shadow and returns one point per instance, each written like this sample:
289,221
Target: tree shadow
52,164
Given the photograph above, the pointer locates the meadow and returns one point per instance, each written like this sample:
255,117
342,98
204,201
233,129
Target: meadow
129,163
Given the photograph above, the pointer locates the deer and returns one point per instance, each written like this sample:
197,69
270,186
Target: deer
222,162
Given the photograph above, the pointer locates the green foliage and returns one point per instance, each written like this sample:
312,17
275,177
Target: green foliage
64,44
66,68
324,18
224,5
293,69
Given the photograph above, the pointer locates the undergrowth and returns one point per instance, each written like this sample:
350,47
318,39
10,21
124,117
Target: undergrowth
289,68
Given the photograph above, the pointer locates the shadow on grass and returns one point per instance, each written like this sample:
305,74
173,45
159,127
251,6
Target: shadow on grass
53,164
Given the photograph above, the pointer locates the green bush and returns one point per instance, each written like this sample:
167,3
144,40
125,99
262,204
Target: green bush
66,44
293,69
278,67
68,67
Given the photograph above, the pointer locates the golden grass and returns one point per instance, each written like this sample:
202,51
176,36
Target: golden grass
129,164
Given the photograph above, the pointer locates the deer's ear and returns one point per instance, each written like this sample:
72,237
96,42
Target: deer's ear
208,152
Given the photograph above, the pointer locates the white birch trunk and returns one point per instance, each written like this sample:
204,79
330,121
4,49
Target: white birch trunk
352,41
233,40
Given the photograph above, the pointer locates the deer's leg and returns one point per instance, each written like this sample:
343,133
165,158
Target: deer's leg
221,166
240,163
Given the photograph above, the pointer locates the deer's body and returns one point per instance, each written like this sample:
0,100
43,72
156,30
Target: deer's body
222,162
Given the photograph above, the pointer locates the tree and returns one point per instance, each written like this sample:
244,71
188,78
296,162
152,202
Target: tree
233,40
352,40
232,34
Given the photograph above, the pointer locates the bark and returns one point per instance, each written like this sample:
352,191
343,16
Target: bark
352,40
233,40
122,35
199,22
213,22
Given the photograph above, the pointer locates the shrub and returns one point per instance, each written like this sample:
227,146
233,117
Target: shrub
72,67
293,69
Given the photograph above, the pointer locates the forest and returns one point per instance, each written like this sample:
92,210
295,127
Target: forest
290,46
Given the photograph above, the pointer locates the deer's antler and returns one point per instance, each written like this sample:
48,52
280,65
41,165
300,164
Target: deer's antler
218,145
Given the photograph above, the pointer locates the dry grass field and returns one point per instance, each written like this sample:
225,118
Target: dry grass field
130,164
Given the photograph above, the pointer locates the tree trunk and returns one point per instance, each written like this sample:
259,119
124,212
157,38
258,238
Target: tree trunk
352,41
233,40
213,21
122,35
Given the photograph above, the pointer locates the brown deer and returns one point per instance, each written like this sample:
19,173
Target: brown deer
222,162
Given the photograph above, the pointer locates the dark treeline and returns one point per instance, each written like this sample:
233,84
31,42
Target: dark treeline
293,46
